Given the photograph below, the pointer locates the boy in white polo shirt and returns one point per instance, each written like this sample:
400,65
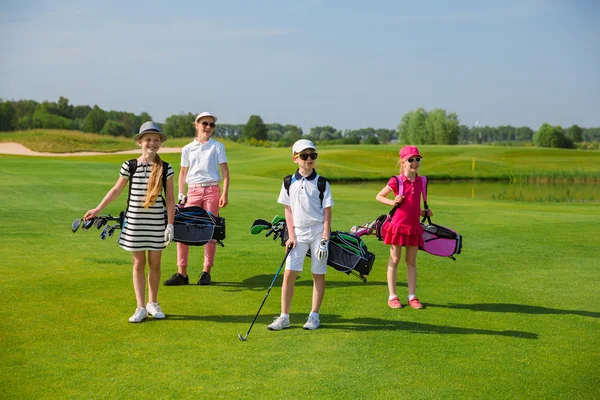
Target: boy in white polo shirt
308,220
200,164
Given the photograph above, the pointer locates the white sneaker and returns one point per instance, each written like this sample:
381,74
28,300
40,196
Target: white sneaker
140,315
155,310
312,323
279,324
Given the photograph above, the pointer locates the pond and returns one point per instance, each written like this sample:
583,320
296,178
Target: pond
533,192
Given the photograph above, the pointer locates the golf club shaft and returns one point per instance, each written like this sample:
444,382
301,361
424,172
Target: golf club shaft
269,291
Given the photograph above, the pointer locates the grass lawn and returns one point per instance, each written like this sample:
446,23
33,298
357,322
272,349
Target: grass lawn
516,316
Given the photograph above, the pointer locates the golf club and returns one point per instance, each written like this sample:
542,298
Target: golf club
259,225
75,225
244,338
87,224
104,233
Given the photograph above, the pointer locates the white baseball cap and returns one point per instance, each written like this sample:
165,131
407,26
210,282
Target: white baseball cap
302,144
205,114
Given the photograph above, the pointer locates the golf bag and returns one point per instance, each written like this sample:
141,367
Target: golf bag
347,252
439,240
196,226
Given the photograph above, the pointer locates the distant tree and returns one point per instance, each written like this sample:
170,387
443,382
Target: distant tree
94,121
8,117
79,114
274,135
181,125
144,117
291,134
229,131
371,140
442,128
324,133
255,129
524,133
575,133
551,136
113,128
591,134
352,138
63,108
44,118
413,128
386,135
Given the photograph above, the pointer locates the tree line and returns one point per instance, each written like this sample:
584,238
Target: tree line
418,126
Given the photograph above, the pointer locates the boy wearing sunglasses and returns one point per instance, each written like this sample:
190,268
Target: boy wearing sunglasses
404,230
200,164
308,220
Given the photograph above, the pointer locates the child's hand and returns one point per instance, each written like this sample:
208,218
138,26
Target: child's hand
398,200
290,242
91,214
426,212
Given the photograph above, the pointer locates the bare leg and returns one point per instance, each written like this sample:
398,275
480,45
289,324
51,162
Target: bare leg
318,291
287,290
411,268
153,274
392,268
139,277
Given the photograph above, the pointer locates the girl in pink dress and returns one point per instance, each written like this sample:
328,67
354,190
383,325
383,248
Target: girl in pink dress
404,230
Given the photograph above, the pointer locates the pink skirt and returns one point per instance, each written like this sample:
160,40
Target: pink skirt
403,240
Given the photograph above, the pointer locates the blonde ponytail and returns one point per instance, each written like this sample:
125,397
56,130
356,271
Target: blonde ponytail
154,183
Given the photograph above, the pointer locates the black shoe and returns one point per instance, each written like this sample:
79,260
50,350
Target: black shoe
204,279
176,280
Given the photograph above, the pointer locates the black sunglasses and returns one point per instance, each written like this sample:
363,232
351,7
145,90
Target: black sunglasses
206,123
418,159
304,156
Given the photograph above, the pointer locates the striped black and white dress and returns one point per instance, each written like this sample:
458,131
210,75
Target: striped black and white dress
144,229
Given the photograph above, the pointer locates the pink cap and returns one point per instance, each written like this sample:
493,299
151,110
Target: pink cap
408,151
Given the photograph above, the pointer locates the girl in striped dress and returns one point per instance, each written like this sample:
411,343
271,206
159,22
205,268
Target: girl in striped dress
144,232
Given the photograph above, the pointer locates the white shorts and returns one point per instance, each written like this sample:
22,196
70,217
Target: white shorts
307,238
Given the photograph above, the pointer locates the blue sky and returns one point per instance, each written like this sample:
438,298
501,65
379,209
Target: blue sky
349,64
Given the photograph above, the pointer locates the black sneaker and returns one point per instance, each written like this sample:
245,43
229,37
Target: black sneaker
204,279
176,280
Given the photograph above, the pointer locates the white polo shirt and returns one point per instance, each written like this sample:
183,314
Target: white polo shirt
304,200
203,161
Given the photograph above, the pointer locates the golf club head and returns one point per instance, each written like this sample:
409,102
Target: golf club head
242,338
87,224
111,230
99,222
259,225
277,219
104,233
75,225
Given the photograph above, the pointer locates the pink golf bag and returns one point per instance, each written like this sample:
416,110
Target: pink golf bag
440,240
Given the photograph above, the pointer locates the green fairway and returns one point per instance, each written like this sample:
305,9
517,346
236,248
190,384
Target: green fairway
516,316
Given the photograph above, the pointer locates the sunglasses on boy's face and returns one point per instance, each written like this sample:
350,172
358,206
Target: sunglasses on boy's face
417,159
304,156
206,123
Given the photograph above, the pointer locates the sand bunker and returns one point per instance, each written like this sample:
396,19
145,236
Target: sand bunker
19,149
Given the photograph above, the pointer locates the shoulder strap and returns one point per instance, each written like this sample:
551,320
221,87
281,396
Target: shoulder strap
424,182
287,182
165,171
400,185
132,167
321,185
